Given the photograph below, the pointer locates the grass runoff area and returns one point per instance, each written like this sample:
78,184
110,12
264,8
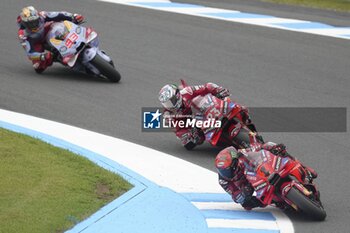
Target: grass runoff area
339,5
47,189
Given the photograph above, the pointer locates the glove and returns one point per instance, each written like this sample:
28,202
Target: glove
251,202
78,19
279,149
45,56
222,93
21,35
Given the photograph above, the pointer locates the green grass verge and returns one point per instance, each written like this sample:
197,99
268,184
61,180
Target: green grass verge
47,189
339,5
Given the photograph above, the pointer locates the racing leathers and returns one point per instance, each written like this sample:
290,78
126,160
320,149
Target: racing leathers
239,187
190,137
33,41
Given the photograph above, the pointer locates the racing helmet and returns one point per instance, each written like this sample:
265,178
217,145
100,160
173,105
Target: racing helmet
30,18
226,162
170,97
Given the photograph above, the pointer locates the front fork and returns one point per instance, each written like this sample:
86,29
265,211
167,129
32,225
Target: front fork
308,190
89,53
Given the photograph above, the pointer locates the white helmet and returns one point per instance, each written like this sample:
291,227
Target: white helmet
170,97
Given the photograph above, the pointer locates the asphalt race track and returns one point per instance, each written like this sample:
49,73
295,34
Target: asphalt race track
262,67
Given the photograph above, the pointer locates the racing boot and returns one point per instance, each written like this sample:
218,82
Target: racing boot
38,69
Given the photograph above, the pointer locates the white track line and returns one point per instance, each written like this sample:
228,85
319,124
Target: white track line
252,19
240,223
161,168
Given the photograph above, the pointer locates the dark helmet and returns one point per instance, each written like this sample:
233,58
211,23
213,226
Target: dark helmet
170,97
30,18
226,162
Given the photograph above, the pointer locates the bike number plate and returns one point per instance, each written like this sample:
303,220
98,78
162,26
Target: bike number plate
70,41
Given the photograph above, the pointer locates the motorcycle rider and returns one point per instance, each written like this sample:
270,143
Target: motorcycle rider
33,27
233,180
177,106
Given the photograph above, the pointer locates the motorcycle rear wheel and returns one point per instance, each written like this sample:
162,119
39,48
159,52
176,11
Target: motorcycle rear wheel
311,208
106,68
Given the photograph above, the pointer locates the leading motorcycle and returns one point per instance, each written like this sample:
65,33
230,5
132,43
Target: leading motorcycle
76,46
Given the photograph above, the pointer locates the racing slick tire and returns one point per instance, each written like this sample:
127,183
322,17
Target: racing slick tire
106,69
311,208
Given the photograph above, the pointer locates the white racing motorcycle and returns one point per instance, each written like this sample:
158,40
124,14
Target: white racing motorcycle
77,47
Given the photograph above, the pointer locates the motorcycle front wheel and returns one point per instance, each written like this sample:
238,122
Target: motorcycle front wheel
310,207
106,69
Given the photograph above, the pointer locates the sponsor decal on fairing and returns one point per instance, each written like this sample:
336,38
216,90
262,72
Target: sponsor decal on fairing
260,186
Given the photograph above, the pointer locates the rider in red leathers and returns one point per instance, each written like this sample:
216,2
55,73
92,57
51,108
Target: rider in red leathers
177,104
233,180
33,27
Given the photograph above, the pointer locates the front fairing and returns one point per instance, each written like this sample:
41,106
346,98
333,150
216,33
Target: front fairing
68,39
264,170
209,107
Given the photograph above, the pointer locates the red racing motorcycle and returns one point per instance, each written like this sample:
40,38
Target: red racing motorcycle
232,131
283,182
